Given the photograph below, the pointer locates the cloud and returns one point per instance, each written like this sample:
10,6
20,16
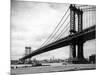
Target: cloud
31,23
58,6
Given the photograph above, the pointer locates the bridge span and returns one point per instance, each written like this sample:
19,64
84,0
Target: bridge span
75,38
85,35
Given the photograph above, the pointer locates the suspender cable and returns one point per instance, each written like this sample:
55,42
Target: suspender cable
63,31
55,28
58,29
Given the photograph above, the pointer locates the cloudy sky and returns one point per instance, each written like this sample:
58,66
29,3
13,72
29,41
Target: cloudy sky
32,23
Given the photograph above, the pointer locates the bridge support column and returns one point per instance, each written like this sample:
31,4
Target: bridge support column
80,19
80,51
72,19
72,31
72,51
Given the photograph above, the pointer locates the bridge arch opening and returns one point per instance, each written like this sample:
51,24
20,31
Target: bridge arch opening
89,48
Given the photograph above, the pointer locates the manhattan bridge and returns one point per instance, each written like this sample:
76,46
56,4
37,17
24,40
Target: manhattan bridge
79,26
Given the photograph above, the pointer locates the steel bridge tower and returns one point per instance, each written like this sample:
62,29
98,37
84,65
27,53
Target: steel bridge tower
79,57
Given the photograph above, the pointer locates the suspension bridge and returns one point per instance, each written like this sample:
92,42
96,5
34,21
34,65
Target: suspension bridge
74,29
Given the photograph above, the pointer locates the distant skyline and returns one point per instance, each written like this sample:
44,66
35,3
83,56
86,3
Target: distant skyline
32,23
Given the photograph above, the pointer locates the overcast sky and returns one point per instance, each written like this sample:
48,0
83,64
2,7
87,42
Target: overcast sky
32,23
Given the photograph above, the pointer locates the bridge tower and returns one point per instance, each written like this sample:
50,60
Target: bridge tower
79,57
27,51
72,31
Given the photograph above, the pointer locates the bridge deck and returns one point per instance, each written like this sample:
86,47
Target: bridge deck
86,34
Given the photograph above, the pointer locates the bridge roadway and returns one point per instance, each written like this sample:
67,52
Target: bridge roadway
84,35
